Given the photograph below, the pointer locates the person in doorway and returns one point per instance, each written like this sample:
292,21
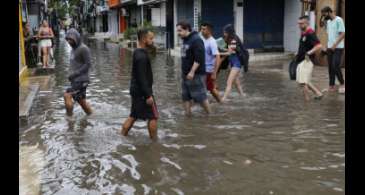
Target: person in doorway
193,68
80,64
335,48
308,45
232,41
143,102
45,34
211,59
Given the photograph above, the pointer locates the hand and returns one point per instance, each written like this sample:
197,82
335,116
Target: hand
70,78
190,76
149,101
333,47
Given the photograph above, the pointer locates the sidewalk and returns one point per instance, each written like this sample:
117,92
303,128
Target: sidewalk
29,87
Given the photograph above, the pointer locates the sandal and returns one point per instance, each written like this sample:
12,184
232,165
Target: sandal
318,97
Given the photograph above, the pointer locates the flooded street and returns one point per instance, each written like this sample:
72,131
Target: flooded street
269,142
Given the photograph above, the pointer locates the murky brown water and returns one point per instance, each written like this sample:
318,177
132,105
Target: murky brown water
270,142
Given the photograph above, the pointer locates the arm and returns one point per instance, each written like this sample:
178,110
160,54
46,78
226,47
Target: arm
217,65
191,74
215,51
86,56
51,32
198,52
339,39
314,49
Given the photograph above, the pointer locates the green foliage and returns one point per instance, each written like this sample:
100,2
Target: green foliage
133,30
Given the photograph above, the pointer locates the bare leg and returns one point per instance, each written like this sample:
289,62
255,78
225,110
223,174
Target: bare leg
152,128
305,91
314,89
230,80
238,85
206,106
187,107
215,94
68,103
45,56
85,106
128,124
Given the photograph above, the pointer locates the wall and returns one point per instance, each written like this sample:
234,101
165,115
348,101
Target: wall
291,31
158,15
321,31
113,21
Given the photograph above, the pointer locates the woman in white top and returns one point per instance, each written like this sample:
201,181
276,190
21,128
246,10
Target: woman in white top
45,35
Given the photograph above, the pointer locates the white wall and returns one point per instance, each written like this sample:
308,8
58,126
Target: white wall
158,15
238,18
291,30
113,22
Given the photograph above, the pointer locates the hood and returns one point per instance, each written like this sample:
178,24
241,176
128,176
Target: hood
192,34
74,35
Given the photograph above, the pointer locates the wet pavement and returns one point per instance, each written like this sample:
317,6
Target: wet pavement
269,142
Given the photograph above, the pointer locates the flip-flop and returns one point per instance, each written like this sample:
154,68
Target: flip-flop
318,97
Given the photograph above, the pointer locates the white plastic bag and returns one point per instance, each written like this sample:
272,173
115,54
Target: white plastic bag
304,71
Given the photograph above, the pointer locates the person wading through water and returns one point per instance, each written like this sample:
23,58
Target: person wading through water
143,102
80,63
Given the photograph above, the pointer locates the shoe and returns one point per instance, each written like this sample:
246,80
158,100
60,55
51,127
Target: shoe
332,89
341,90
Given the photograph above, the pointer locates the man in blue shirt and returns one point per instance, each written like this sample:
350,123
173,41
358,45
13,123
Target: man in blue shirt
335,47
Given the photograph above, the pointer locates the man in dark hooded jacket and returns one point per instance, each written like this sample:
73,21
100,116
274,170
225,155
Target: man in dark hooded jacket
80,63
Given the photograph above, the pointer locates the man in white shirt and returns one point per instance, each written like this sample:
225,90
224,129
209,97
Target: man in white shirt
335,47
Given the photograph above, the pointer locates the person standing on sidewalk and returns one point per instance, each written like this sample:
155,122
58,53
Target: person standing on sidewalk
143,102
308,45
211,59
193,68
45,34
335,47
80,63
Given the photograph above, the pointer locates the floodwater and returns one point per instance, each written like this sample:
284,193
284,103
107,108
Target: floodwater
268,142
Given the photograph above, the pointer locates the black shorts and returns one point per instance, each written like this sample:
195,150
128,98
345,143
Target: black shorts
141,110
78,90
194,89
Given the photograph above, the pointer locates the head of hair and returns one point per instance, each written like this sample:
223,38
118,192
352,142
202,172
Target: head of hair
184,25
327,9
207,24
141,33
304,18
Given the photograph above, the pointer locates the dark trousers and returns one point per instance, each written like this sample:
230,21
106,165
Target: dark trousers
334,69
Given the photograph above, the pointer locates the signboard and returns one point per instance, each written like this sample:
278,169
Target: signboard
143,2
114,3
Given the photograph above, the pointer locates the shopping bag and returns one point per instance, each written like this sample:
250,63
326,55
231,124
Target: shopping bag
304,71
293,70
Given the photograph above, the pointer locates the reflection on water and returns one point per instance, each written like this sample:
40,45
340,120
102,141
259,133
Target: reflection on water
269,142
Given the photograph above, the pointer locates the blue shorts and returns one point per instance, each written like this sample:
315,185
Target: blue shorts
234,61
194,89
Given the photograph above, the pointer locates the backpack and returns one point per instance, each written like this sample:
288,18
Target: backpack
243,54
293,70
